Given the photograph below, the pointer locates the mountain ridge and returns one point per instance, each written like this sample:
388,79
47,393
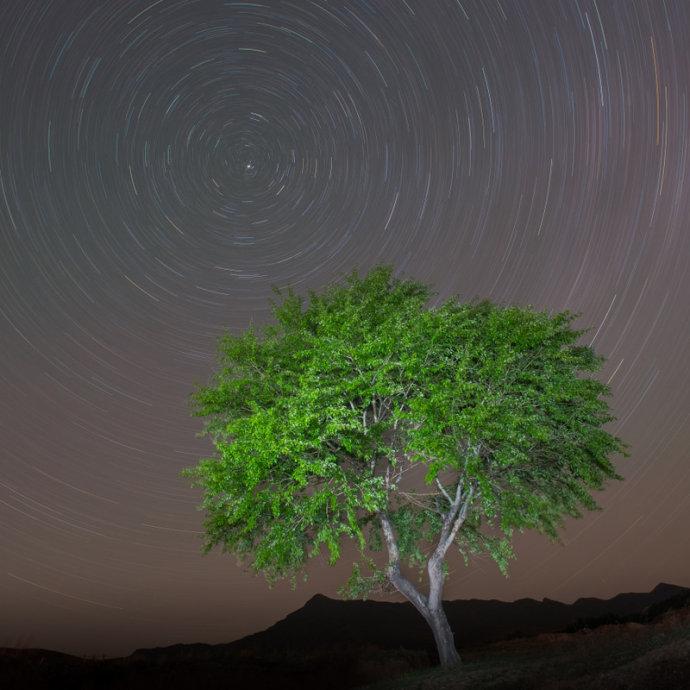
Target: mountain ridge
324,621
345,644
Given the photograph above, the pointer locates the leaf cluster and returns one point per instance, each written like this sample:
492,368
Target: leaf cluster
319,420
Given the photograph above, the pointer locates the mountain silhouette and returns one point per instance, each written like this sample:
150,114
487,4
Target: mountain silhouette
344,644
324,622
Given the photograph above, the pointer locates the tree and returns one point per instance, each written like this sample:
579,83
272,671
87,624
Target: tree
322,421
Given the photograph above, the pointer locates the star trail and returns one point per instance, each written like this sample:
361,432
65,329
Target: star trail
164,164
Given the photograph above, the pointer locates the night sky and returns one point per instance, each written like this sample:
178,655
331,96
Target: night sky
163,164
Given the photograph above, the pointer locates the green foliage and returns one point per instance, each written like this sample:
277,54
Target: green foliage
314,418
359,586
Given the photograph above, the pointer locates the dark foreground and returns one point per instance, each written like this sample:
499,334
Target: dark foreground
647,649
627,656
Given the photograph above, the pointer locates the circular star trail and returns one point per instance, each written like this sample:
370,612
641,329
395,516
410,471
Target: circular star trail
164,164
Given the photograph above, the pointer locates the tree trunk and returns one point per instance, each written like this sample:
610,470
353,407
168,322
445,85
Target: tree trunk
431,607
443,635
436,618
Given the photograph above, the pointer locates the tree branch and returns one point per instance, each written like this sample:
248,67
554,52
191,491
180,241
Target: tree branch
451,525
458,488
401,469
399,581
453,521
458,521
443,491
412,498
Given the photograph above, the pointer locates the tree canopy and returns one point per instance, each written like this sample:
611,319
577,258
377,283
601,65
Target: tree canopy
368,414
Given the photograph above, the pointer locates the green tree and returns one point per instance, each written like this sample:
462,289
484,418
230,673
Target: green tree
323,421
